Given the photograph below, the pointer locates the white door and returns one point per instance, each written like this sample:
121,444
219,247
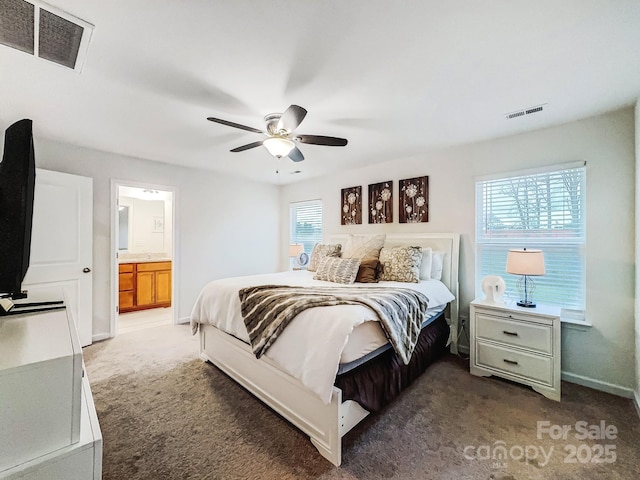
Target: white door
62,245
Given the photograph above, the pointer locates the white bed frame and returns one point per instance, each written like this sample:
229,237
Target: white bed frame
325,424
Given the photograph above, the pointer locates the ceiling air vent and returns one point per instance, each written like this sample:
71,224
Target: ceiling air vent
524,111
44,31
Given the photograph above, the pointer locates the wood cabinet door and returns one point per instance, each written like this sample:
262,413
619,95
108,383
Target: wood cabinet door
163,287
125,282
126,267
126,301
145,288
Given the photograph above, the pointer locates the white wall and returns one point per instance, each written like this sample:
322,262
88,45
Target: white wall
142,213
168,226
603,353
217,227
637,304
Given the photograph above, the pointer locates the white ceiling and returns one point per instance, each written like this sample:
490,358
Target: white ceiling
395,77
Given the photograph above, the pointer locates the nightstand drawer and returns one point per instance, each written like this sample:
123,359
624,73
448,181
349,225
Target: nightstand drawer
538,368
531,336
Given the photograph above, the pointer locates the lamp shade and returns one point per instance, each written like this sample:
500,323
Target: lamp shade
295,250
278,147
525,262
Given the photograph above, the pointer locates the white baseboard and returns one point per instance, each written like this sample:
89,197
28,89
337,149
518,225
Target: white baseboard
598,385
98,337
636,400
464,349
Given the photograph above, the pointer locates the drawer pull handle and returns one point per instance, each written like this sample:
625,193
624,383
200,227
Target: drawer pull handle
513,334
510,362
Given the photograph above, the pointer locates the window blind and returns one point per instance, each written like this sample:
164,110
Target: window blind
543,211
306,223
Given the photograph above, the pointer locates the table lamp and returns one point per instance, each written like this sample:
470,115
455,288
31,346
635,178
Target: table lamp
527,263
295,249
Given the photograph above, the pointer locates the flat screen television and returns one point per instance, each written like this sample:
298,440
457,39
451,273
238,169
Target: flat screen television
17,185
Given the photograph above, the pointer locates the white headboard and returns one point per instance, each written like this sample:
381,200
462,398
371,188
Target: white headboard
449,243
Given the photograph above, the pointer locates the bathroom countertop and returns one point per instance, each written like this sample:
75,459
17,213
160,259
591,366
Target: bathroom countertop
143,260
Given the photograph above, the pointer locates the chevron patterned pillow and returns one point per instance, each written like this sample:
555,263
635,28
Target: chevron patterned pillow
364,246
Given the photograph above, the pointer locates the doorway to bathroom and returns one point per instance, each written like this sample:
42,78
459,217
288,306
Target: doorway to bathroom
143,226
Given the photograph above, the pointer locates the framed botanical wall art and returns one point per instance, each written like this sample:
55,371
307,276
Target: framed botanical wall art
351,206
381,202
414,200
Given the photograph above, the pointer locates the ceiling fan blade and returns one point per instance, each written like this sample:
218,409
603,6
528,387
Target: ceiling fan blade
247,146
296,155
291,118
234,125
322,140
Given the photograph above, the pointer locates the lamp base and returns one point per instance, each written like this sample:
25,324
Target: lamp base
526,304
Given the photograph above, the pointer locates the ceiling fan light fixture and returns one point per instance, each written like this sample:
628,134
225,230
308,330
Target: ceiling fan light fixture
281,141
278,147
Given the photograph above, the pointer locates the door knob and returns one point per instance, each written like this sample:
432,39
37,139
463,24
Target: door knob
86,269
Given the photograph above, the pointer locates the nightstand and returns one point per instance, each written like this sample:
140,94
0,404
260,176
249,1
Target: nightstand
516,343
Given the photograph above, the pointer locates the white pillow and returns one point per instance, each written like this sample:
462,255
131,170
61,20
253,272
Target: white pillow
363,246
437,258
425,265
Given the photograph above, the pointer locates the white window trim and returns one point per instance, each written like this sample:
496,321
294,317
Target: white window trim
570,318
302,204
531,171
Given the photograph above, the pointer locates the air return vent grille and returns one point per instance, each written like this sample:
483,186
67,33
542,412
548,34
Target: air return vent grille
43,31
16,24
524,111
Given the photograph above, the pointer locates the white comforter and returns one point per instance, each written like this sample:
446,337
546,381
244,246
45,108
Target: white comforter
297,351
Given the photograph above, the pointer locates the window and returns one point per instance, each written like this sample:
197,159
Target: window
543,211
306,223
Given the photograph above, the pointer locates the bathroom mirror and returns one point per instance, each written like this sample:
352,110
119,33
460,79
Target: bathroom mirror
123,227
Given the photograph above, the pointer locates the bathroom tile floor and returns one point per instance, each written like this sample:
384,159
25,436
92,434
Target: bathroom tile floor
133,321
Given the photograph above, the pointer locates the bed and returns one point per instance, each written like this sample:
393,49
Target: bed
325,398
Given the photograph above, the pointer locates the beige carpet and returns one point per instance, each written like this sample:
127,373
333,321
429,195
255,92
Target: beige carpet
165,414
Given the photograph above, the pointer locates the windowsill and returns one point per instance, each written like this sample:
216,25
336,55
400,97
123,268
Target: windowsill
575,324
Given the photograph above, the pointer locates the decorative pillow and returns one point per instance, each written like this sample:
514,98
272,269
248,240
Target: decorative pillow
364,246
323,250
425,264
401,264
338,270
437,258
368,271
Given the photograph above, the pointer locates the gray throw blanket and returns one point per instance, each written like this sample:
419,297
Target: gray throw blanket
268,309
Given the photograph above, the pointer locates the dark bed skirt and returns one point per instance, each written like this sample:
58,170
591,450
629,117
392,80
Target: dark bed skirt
379,381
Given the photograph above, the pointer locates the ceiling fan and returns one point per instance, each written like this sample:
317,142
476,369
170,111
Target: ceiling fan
281,139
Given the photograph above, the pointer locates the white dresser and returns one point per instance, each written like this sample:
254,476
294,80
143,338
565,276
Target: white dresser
520,344
48,424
